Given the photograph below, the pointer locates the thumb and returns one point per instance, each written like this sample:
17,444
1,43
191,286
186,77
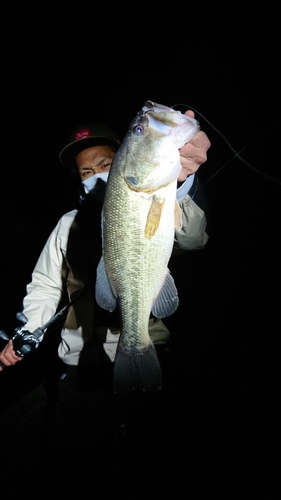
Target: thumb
190,113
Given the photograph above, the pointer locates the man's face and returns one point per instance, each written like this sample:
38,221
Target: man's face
94,160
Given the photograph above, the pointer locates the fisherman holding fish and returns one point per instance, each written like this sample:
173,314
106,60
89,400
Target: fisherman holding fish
75,250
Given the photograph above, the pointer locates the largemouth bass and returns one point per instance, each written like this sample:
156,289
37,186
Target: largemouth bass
140,214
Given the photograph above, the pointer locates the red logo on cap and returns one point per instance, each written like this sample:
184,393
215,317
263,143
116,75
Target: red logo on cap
82,134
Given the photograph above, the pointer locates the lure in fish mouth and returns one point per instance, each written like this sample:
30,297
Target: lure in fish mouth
140,213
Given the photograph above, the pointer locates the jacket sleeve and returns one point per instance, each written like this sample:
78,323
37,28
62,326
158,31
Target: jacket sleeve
44,291
194,208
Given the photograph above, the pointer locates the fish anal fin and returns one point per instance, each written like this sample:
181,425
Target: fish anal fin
167,300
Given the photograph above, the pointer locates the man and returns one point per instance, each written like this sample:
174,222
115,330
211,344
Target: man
68,261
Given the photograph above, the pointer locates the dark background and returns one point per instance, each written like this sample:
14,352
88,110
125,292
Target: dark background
226,331
231,85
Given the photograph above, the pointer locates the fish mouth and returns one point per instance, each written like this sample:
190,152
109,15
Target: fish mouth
149,103
166,115
149,106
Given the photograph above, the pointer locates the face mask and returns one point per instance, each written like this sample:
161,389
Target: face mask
90,183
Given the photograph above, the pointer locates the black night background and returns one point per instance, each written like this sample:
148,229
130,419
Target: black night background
219,422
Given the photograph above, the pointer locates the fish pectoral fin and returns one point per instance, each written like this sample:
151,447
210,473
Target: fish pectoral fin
153,217
103,291
178,216
167,300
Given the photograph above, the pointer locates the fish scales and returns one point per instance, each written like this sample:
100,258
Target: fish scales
138,224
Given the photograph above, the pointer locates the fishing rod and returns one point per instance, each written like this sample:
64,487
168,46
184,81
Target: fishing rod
236,153
25,342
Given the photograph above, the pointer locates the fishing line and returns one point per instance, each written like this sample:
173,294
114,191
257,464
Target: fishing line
236,153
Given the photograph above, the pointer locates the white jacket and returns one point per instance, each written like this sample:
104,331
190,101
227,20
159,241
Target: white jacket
52,277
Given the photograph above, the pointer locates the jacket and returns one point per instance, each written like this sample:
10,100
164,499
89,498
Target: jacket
67,265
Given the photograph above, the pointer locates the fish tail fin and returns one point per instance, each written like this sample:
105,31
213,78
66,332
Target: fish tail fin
139,369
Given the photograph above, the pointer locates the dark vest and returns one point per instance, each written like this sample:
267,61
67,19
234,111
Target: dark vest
83,253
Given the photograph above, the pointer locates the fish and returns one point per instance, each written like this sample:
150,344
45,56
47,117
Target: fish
139,216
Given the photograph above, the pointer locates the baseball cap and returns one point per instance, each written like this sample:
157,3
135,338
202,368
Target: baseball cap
85,136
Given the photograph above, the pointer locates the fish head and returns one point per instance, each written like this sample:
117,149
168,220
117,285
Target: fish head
150,149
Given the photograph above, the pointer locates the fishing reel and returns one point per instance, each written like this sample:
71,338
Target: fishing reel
24,342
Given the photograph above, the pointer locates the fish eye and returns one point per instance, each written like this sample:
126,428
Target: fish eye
138,130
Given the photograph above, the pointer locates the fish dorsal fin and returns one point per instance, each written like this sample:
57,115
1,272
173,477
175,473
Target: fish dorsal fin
153,217
178,216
